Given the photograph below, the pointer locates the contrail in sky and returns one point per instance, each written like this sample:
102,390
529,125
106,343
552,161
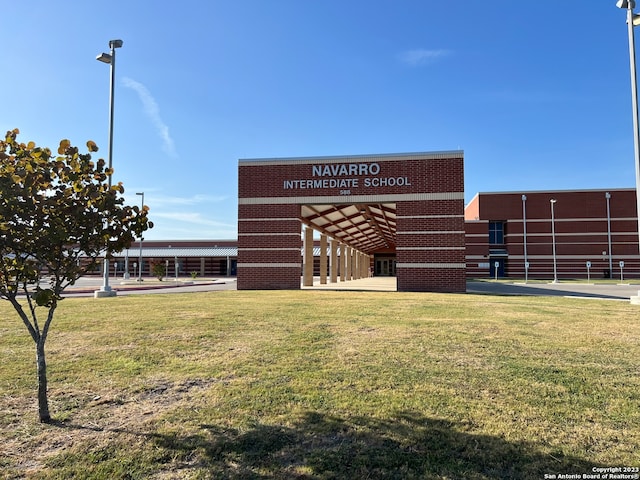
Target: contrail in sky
153,112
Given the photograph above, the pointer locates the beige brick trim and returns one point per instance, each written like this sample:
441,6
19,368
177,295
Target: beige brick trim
340,199
431,265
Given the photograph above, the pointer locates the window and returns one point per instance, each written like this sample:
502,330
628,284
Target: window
496,233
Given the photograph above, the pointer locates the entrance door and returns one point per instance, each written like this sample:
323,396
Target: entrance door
385,267
382,268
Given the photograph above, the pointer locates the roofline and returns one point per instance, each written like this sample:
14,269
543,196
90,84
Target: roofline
578,190
472,199
346,158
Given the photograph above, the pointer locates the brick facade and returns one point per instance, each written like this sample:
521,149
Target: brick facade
433,240
581,234
427,190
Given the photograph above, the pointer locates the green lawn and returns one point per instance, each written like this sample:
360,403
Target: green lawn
321,384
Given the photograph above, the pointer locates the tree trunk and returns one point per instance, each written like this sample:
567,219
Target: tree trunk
43,399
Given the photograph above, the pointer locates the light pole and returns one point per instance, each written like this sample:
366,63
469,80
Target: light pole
553,241
524,233
608,197
140,254
109,58
126,275
632,21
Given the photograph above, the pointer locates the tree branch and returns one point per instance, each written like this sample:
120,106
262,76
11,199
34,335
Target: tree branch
35,334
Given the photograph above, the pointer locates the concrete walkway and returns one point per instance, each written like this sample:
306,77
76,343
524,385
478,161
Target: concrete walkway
374,284
86,286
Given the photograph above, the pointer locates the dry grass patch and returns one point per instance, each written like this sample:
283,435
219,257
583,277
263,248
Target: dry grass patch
324,385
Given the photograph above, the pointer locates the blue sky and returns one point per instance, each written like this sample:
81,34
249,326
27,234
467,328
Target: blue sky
536,93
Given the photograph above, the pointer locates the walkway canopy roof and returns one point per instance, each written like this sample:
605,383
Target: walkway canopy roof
365,227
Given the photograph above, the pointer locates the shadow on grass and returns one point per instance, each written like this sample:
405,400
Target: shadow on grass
320,446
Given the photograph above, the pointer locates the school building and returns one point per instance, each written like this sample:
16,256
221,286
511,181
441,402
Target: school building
553,234
402,208
339,218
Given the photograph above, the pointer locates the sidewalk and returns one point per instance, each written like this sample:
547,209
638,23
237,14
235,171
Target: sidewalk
89,284
374,284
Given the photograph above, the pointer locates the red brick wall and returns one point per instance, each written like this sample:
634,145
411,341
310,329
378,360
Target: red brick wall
430,247
269,244
477,248
580,233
